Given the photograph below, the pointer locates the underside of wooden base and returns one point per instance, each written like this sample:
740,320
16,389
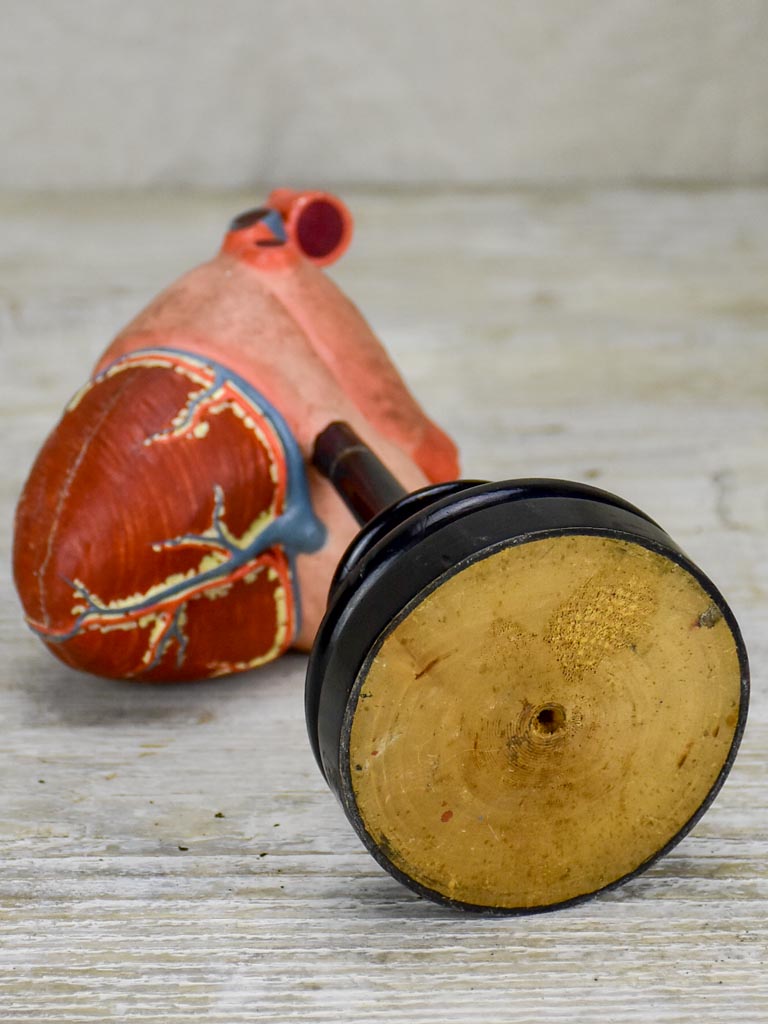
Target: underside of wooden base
542,722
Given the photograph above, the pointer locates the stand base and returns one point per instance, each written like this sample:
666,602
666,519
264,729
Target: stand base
542,722
523,693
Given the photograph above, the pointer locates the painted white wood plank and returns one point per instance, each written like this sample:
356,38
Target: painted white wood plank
614,337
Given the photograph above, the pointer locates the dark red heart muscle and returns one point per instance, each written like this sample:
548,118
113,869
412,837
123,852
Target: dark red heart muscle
155,535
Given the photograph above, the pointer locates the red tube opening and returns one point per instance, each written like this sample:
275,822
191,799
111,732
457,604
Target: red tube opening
318,223
319,229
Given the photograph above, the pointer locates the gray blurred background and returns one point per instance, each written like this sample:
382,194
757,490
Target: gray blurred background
106,94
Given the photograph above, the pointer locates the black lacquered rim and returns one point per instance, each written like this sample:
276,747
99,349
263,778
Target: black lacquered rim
386,521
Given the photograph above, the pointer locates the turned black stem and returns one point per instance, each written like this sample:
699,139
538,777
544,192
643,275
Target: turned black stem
362,480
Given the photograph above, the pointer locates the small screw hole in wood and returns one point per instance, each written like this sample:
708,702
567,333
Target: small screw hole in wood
549,719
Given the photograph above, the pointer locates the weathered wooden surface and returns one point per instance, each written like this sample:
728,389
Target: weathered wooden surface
619,338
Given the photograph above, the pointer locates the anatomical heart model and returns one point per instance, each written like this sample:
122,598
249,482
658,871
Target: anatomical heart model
171,527
522,692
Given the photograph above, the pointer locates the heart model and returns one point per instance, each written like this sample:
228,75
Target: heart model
171,527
